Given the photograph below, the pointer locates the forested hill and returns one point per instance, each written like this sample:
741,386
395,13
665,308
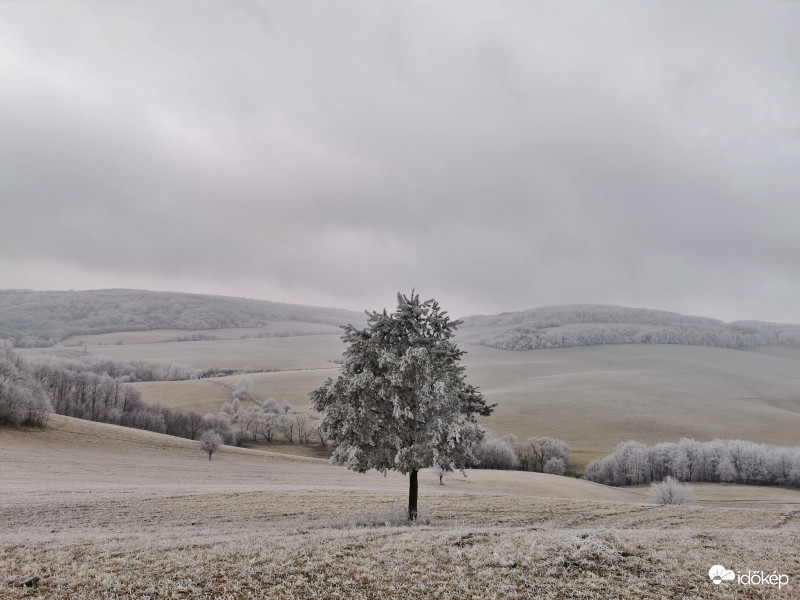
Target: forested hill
593,324
29,318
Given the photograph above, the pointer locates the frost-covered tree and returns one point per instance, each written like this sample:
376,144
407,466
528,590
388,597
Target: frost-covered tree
543,449
287,425
242,389
401,402
210,441
182,371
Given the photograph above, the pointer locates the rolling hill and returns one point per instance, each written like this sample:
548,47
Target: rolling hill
596,324
591,395
32,318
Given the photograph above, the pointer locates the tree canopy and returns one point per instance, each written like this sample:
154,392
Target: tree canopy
401,402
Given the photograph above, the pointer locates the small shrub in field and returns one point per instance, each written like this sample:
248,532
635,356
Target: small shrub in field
671,491
210,441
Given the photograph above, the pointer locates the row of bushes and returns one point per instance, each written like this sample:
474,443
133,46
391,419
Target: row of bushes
544,455
717,461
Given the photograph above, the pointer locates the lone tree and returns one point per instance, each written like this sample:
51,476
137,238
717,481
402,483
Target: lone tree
210,441
401,402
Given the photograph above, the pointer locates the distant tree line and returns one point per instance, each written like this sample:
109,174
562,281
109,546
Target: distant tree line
32,387
33,319
717,461
124,371
195,336
528,337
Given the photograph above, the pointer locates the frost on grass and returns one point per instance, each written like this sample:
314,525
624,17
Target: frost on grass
409,562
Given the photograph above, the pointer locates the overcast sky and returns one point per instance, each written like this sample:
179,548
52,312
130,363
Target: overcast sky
494,155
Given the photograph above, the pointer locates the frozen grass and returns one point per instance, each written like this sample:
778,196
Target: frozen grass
97,511
447,561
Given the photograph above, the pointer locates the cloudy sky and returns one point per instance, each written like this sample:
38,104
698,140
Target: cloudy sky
496,156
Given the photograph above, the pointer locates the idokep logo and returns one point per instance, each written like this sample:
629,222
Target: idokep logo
720,574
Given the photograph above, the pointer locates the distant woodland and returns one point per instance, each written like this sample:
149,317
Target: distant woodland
589,325
32,319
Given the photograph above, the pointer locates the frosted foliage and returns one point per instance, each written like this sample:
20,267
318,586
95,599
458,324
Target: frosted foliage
494,453
541,450
242,388
671,491
23,400
209,442
717,461
182,371
555,466
401,401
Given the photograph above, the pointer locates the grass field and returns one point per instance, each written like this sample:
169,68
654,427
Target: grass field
99,511
279,353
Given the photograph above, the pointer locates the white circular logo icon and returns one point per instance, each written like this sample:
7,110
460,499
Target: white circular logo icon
718,574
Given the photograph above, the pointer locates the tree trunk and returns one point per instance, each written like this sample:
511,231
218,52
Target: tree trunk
412,496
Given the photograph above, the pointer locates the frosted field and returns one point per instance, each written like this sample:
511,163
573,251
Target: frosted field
98,511
160,335
591,397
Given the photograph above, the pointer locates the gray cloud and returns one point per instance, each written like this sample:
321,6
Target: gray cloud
496,157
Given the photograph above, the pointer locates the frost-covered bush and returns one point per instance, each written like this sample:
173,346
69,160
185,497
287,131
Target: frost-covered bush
671,491
555,466
182,371
242,388
494,453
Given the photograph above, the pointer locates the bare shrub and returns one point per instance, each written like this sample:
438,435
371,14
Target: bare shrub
671,491
209,442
